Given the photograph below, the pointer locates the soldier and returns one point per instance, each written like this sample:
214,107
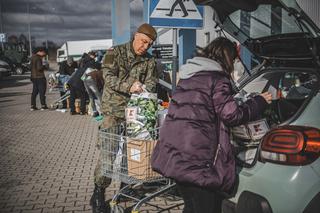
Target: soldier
126,68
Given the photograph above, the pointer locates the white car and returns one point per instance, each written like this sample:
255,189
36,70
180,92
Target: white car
278,156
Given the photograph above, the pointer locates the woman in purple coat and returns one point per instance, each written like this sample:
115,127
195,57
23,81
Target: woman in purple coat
196,128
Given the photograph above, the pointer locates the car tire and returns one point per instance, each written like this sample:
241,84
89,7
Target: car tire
19,70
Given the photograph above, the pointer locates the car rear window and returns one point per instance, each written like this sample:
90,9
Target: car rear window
267,20
289,90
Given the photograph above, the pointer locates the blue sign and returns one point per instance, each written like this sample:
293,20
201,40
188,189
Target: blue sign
175,14
3,37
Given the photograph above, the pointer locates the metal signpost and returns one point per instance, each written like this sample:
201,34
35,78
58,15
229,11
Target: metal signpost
3,38
175,14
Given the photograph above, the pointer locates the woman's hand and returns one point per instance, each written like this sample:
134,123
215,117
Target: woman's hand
267,96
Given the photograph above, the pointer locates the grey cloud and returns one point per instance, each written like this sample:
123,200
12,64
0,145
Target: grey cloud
61,20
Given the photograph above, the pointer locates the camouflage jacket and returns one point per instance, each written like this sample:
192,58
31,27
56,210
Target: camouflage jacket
121,68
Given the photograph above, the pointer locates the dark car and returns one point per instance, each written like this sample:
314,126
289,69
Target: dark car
5,69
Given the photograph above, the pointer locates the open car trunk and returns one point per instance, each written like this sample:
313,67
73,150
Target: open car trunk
291,89
284,43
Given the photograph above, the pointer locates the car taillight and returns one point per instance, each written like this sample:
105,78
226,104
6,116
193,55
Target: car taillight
291,145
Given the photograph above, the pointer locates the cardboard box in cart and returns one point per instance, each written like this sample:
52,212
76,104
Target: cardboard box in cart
139,159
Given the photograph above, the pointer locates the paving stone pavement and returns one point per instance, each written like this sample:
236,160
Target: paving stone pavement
47,158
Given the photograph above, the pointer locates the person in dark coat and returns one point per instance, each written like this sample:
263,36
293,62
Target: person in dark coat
66,69
196,127
76,86
87,60
68,66
38,79
93,82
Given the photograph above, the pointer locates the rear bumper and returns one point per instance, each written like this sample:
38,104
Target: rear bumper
250,202
275,188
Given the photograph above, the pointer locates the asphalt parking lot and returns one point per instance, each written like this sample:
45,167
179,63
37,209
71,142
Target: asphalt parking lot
47,158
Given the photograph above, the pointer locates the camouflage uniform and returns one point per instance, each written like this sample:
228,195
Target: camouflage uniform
121,68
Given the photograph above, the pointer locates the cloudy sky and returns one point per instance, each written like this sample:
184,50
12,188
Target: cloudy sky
62,20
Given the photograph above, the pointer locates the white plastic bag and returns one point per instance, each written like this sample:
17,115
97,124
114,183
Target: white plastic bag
141,115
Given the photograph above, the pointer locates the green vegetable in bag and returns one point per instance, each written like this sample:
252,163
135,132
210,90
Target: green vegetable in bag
141,115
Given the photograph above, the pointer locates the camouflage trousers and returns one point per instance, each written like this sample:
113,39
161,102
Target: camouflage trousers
99,178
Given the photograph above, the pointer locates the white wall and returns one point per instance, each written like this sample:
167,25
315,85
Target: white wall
208,33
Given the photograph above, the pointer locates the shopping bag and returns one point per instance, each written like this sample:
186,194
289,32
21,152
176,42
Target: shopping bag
141,115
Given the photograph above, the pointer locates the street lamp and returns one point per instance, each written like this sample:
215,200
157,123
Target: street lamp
29,31
46,23
52,10
1,25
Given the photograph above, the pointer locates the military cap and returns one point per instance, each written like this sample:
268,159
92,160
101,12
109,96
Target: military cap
148,30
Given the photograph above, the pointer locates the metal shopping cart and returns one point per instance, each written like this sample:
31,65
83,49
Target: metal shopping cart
57,82
128,160
59,101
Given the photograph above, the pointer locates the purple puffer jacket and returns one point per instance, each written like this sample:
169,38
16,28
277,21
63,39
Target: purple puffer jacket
200,112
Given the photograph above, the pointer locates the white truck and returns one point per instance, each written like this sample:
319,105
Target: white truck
77,48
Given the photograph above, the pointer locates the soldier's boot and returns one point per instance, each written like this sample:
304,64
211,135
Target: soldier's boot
97,201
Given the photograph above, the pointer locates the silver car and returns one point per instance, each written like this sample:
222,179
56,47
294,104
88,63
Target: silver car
278,156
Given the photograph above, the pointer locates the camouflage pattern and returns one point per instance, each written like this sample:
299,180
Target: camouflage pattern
121,68
99,179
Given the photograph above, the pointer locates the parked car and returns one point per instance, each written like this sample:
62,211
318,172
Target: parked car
16,56
5,69
278,157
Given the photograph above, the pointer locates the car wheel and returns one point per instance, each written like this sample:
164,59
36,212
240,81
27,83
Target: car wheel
19,70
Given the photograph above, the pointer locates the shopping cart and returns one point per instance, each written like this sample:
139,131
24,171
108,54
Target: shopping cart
127,160
57,102
57,82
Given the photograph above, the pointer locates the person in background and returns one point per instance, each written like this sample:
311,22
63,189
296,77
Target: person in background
76,85
125,69
196,128
68,66
99,56
87,60
66,69
93,82
38,79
